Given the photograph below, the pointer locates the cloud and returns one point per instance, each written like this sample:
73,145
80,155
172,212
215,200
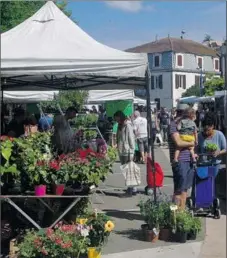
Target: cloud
130,6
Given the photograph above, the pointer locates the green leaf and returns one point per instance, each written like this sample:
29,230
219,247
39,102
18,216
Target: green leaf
6,153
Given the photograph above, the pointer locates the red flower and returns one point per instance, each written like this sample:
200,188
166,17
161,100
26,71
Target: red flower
62,156
40,163
43,251
54,165
58,241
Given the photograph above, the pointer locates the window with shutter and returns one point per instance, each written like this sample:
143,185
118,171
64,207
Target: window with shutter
184,81
152,82
176,81
156,81
179,60
216,64
197,80
156,61
160,82
200,62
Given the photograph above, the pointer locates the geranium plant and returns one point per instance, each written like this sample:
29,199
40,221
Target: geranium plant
69,241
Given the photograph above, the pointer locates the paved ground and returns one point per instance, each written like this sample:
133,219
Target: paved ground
126,238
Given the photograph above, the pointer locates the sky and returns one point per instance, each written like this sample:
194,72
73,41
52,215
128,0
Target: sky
125,24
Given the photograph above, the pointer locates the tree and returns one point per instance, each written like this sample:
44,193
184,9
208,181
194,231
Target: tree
214,84
65,99
192,91
15,12
211,85
207,39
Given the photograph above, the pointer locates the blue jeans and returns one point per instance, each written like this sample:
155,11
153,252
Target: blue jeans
183,176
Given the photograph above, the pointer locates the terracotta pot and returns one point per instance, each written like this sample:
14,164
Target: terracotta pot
93,253
40,190
59,189
150,236
164,234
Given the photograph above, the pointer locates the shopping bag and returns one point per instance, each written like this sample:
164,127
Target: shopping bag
131,173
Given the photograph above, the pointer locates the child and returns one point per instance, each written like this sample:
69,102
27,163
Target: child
188,131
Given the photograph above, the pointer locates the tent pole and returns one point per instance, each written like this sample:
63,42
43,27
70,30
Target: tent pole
150,131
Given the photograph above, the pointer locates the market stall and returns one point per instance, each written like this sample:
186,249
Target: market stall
50,52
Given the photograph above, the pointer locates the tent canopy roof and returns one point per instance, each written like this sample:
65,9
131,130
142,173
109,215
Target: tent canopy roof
49,50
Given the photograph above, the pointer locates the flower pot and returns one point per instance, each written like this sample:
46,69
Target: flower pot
150,236
144,227
59,189
192,235
181,237
93,253
164,234
40,190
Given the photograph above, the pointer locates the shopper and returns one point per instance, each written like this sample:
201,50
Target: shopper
140,130
183,171
125,142
164,118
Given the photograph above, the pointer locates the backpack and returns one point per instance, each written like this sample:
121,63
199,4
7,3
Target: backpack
158,173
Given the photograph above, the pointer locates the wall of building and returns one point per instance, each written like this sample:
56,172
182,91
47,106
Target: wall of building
190,62
166,61
164,94
190,81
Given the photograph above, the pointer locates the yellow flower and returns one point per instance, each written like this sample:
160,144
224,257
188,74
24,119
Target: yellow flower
109,226
81,221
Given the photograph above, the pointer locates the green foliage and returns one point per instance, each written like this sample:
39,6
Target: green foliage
211,85
156,215
63,241
211,147
15,12
65,99
192,91
196,224
8,165
183,221
214,84
98,235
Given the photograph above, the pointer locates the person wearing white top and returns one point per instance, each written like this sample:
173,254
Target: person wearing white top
140,130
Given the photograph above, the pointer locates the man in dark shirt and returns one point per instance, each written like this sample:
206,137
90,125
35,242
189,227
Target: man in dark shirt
16,126
183,171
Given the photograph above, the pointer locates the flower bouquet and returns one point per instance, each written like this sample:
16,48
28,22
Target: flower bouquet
68,241
100,229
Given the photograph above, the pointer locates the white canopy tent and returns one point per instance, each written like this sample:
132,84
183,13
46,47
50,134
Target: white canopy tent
48,50
28,96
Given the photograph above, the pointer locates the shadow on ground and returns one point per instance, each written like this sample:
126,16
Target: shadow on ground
123,214
132,234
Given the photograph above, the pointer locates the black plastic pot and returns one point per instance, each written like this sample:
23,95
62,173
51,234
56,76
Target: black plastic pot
180,237
192,235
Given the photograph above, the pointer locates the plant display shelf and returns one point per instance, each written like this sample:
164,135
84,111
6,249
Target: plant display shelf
76,199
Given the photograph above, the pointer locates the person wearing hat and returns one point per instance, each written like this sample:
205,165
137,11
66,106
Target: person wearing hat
183,171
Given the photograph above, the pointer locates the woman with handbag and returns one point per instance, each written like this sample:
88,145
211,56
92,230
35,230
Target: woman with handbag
125,142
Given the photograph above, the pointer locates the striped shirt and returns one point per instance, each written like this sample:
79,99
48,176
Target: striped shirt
184,153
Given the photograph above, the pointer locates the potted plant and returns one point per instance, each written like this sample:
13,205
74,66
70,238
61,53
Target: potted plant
165,218
59,176
62,241
151,214
39,177
183,226
8,169
101,227
196,227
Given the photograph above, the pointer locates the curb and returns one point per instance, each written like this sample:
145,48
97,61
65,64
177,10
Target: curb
188,250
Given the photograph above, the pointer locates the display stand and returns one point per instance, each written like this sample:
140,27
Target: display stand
9,199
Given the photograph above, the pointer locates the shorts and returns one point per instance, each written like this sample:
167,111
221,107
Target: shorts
143,144
187,137
183,176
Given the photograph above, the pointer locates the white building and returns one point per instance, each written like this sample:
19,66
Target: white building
175,66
